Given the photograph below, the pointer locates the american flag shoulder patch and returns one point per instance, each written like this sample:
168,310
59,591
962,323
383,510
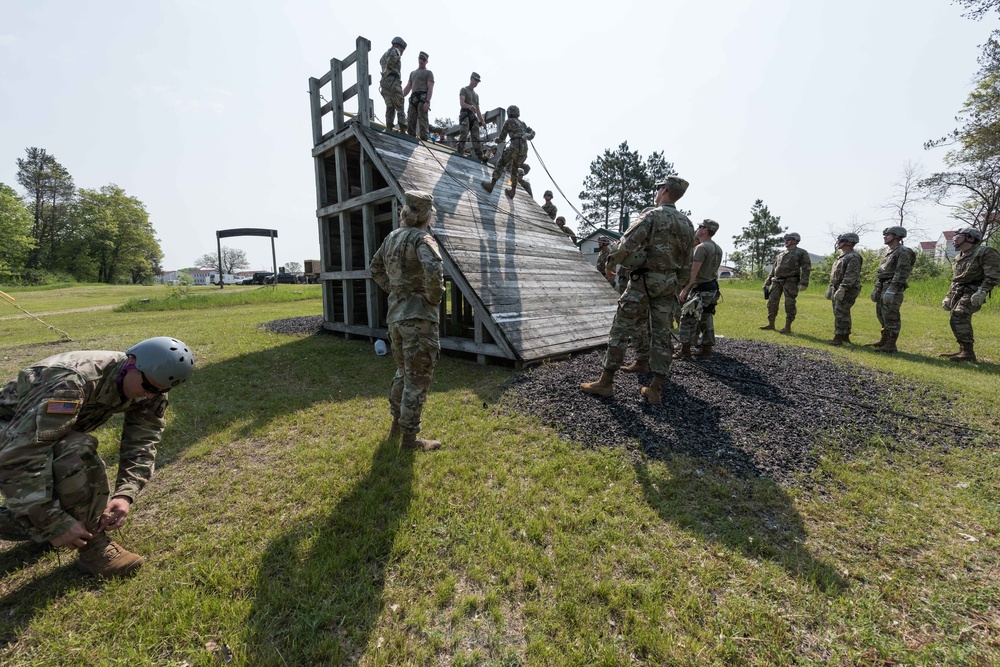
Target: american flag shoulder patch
55,407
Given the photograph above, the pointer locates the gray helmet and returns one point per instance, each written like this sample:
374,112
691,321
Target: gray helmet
898,232
793,235
513,111
398,41
167,361
547,193
849,237
971,232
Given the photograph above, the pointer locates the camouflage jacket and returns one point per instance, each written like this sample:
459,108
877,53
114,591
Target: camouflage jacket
792,263
74,391
602,259
667,237
550,209
896,266
519,132
979,267
391,63
408,266
846,271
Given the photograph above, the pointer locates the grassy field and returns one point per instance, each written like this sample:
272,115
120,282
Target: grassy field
282,528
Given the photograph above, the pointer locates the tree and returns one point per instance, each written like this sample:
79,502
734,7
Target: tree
115,233
50,190
620,183
293,267
758,244
857,225
15,231
232,259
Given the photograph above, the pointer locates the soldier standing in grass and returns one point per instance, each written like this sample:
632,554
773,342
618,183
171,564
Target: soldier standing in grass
408,267
976,273
890,283
421,85
470,118
845,285
658,248
789,275
391,85
54,484
701,293
513,157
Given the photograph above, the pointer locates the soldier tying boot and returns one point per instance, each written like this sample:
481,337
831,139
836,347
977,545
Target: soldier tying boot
408,267
976,273
789,275
658,248
54,484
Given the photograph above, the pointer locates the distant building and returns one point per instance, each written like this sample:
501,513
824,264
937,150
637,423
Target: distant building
928,248
726,272
944,248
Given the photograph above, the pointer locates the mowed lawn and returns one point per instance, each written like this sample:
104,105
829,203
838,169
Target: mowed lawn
283,528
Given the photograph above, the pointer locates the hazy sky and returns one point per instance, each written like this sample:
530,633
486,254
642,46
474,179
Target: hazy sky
200,108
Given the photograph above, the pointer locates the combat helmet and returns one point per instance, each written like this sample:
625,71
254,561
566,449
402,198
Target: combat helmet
793,235
165,360
849,237
398,41
971,232
513,111
898,232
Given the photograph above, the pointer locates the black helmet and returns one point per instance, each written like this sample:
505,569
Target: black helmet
513,111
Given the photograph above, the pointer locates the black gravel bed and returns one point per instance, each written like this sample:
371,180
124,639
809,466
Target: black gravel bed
311,324
755,408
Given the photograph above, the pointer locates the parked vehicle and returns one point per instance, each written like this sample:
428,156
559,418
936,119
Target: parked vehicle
227,279
260,277
312,271
282,278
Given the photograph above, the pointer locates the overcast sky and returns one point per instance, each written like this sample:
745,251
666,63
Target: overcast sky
200,108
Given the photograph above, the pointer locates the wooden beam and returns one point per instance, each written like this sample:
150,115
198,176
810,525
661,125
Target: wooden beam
355,202
457,344
337,72
314,110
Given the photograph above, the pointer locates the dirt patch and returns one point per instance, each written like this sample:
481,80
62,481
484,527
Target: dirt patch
299,326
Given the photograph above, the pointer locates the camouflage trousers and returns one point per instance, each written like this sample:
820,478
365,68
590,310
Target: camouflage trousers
79,483
649,303
962,311
392,93
692,325
513,157
418,125
638,339
790,288
470,126
842,311
888,314
415,348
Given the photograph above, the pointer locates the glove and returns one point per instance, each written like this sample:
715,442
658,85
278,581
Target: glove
691,306
946,304
767,291
978,299
829,292
840,294
875,294
888,296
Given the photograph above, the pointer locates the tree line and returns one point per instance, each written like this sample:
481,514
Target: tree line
54,231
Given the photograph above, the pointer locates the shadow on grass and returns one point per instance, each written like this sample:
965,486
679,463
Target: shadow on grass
709,485
319,588
20,603
933,360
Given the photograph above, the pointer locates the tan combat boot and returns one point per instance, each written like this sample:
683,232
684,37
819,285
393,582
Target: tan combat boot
106,559
890,344
788,327
769,326
411,441
653,393
965,353
703,353
605,386
684,352
881,341
838,339
637,366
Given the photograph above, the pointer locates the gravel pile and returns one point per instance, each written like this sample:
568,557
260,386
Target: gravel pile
308,325
755,408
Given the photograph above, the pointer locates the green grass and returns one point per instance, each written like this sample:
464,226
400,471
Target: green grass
183,299
283,525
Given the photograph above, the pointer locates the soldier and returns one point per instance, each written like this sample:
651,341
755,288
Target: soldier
845,285
513,157
421,85
391,85
54,484
470,118
637,338
788,276
701,293
561,224
548,206
604,243
976,273
890,283
658,245
408,267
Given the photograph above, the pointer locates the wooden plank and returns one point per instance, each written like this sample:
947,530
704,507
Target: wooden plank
457,344
326,146
314,110
337,74
364,47
355,202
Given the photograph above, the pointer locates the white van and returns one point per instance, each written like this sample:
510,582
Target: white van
227,278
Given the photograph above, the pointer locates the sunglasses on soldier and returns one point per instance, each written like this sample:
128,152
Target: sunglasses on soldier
148,387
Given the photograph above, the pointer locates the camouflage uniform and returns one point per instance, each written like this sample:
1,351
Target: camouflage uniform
515,154
408,267
893,271
975,270
50,473
650,299
418,122
702,319
789,274
469,122
846,276
550,209
602,263
391,87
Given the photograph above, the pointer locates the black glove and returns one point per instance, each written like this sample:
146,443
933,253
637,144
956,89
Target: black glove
767,292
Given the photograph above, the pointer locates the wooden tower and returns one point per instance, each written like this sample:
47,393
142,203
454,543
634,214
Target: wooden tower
517,287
